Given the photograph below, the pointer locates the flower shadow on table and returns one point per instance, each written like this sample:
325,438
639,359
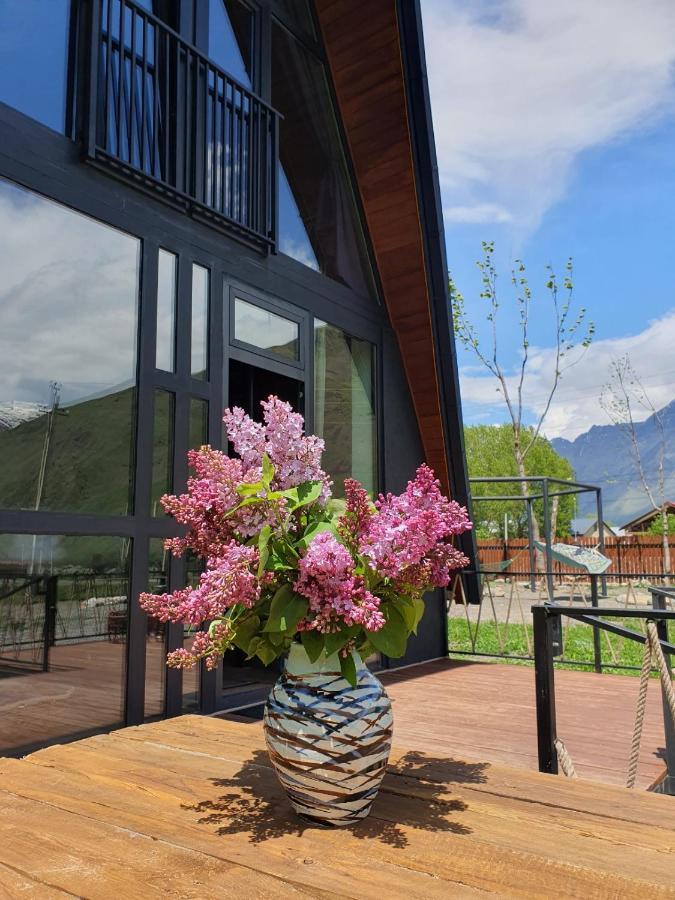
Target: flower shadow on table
416,793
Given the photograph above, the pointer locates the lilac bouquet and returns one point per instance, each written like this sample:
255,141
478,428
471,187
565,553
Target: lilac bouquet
285,562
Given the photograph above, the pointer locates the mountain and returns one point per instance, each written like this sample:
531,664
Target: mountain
602,456
13,413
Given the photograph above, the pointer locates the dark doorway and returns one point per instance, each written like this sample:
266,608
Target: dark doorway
248,681
249,385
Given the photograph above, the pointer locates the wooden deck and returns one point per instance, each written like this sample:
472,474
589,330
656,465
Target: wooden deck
488,709
469,708
190,808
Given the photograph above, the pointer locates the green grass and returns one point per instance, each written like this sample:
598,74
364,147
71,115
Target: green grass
577,644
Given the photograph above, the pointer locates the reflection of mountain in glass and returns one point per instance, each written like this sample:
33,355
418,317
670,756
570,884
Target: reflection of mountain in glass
77,458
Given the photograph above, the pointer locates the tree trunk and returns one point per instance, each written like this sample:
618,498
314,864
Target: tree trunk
524,490
555,502
666,539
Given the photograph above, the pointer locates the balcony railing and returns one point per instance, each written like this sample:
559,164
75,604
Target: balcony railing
160,112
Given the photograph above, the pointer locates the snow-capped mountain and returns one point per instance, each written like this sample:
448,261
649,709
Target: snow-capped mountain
15,412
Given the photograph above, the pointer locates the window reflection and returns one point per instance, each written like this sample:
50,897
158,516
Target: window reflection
312,161
231,38
68,306
162,448
264,329
167,277
33,58
344,405
199,423
75,685
155,653
200,322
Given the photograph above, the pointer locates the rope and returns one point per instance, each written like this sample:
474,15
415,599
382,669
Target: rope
564,759
653,650
662,667
639,715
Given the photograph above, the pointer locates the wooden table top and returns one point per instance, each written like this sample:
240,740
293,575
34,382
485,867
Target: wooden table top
190,808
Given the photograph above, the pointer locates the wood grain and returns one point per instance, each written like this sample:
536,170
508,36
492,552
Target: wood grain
190,807
363,49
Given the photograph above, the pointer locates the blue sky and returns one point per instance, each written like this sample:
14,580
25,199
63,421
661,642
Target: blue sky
555,134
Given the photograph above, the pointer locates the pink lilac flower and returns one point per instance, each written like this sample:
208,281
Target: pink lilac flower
207,646
228,580
296,457
407,527
336,596
354,523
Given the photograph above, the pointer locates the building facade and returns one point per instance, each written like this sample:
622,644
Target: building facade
202,202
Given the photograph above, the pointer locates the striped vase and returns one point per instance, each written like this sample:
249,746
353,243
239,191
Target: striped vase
328,742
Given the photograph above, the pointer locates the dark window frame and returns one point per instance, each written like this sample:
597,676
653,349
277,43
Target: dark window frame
41,160
295,315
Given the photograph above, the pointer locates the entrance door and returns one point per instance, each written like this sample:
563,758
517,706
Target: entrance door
249,385
248,681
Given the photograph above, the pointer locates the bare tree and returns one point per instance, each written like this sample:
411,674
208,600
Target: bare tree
622,398
569,332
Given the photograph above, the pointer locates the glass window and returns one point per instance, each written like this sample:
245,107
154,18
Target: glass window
155,644
264,329
33,58
191,677
318,218
199,423
162,448
167,275
297,15
231,34
344,405
200,322
74,685
68,307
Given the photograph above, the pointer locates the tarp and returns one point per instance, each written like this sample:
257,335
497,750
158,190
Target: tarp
591,561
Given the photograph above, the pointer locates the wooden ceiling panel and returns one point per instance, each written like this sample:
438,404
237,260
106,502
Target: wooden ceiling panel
363,49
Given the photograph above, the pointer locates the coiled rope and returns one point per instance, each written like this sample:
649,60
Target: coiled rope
653,653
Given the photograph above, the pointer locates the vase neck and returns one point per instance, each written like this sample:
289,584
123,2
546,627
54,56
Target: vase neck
298,663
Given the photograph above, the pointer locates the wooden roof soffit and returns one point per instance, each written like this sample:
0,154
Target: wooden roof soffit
363,49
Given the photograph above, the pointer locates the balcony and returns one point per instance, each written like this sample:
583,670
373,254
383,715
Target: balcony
160,113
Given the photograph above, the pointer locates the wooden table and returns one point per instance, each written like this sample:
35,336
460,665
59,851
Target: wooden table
190,808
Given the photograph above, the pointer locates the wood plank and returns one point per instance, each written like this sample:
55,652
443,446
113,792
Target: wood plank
624,847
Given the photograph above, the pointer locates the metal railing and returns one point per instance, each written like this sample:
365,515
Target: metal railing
27,619
547,630
157,110
500,627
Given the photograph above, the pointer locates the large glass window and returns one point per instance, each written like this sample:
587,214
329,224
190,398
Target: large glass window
231,35
33,58
266,330
68,307
155,644
73,684
318,219
344,405
199,355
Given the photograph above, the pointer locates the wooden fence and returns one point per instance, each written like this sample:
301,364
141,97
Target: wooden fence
633,554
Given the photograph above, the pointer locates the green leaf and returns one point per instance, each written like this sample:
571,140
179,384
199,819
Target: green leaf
263,550
412,610
287,609
268,470
265,651
338,639
419,612
245,631
303,494
246,489
313,643
348,669
392,638
312,531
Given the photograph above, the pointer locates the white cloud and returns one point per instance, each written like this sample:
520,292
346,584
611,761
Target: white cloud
520,88
480,212
576,405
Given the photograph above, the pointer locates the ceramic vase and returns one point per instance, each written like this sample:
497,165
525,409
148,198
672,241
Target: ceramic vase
328,742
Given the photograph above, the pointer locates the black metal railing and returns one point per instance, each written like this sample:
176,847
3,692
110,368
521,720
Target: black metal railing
159,111
27,619
547,630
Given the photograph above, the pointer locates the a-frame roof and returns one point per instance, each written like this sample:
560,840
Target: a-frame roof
376,58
